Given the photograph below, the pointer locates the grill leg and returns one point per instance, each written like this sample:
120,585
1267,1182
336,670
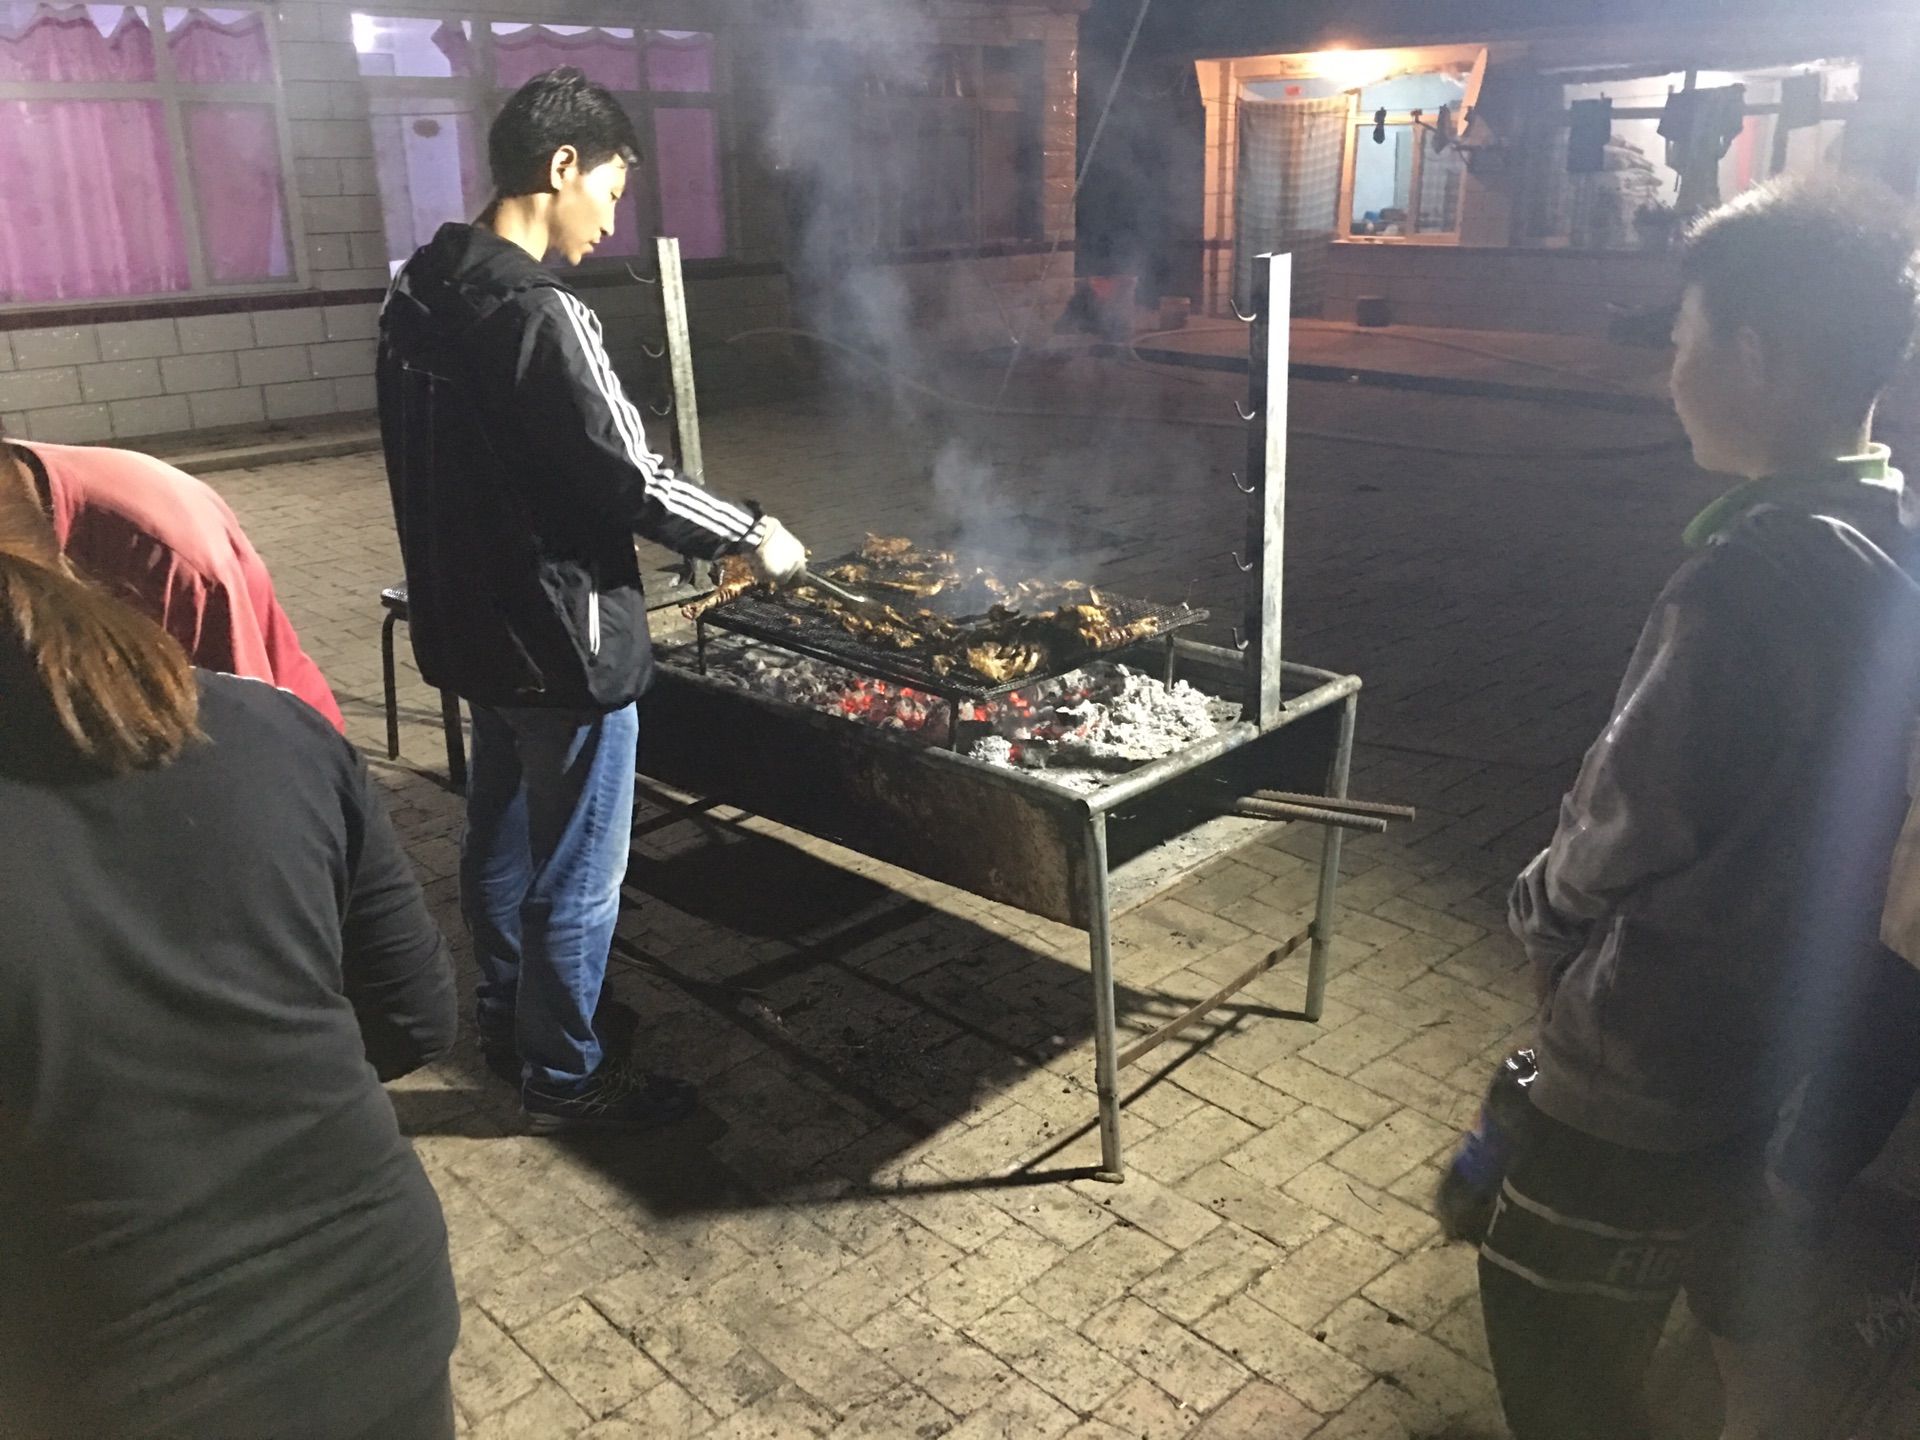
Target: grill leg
1324,912
391,689
1106,1045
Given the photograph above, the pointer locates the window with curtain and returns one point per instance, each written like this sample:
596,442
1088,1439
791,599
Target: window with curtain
943,147
142,153
434,86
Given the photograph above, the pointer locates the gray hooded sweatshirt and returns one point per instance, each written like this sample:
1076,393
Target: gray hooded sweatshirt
1712,895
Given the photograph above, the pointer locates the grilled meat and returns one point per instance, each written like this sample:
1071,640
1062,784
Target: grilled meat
998,631
736,578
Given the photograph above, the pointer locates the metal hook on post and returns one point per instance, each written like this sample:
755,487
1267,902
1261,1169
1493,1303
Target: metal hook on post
653,354
1245,414
1244,489
663,411
1246,567
1240,642
1243,319
638,277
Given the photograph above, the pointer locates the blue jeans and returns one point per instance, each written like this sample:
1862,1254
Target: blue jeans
549,823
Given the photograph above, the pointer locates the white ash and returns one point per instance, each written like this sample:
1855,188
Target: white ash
1080,729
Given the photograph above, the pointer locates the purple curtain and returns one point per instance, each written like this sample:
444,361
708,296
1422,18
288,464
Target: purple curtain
603,57
691,206
110,162
677,61
210,51
235,153
90,209
64,43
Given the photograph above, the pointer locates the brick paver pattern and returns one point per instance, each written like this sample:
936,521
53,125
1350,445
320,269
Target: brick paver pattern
838,1246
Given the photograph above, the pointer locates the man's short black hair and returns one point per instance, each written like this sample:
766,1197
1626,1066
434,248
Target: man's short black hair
1824,269
556,108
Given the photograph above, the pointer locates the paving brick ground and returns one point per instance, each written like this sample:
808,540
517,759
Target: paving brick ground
833,1250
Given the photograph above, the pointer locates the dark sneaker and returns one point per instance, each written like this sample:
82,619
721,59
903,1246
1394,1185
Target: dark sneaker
619,1096
614,1021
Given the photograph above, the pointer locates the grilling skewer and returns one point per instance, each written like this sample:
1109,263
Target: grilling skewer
842,594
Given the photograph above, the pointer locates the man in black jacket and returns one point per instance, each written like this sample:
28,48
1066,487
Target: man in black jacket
1704,927
520,475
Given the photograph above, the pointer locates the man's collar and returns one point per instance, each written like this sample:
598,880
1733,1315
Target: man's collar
1872,467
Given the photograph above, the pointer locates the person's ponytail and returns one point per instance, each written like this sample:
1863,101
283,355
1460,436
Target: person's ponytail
119,688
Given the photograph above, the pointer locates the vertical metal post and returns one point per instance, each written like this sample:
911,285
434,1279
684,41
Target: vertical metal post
686,406
1106,1042
1324,913
1269,358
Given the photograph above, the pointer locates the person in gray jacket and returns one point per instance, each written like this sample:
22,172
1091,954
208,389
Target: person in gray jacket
1703,927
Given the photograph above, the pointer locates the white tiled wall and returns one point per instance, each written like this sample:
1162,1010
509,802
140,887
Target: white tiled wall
126,380
129,379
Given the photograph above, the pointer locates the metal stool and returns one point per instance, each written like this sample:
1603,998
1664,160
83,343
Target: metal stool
394,599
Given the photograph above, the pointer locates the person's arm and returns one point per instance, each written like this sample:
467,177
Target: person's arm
397,973
570,397
1688,729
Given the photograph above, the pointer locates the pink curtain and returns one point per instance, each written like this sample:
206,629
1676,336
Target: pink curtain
235,154
451,40
682,62
211,51
90,209
605,58
64,43
691,205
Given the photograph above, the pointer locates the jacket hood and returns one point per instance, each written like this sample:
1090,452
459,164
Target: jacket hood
456,280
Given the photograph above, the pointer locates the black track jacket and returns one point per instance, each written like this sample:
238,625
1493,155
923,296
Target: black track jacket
520,475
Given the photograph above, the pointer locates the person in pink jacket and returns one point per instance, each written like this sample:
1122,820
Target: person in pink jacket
168,545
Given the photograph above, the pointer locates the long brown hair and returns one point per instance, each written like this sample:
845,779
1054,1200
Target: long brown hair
118,687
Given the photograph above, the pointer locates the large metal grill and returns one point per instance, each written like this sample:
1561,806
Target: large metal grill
794,624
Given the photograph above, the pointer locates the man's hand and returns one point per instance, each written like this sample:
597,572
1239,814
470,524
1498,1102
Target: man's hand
779,558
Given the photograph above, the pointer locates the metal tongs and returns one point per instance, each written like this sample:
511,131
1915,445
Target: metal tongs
842,593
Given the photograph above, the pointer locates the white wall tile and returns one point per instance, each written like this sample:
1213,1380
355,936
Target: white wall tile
136,339
199,333
289,327
358,177
352,322
367,250
275,365
303,397
317,177
68,345
227,407
215,371
332,139
341,214
342,358
355,392
69,424
308,100
39,389
6,352
317,60
159,415
328,252
120,380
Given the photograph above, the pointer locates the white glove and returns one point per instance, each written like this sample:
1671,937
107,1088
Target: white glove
779,558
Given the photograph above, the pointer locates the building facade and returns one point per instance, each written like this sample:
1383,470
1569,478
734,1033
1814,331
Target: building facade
209,202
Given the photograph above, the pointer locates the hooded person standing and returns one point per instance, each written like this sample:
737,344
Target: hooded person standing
1704,927
213,951
520,475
